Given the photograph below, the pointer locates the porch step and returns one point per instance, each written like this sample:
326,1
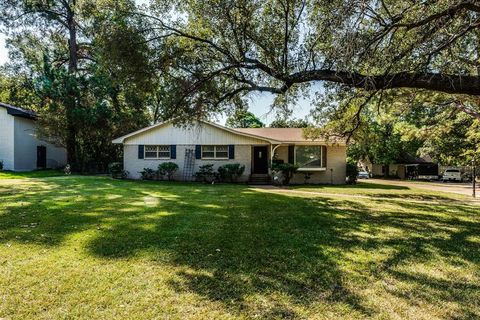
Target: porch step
260,179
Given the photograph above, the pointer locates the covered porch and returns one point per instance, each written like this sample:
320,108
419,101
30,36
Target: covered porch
311,159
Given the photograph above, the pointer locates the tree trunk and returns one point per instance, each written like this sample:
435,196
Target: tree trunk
387,170
70,105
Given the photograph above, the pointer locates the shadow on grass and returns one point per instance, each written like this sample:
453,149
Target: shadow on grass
376,190
360,185
232,242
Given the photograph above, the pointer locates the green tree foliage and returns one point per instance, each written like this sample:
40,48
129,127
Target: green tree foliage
87,67
289,123
449,135
17,89
244,119
222,51
103,68
394,128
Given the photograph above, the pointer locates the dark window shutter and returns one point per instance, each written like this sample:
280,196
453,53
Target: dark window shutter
231,151
198,151
291,154
141,148
173,151
324,156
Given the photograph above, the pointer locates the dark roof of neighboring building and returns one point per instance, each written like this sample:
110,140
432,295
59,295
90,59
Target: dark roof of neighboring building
19,112
411,159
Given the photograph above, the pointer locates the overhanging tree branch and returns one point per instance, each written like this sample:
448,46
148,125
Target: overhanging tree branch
460,84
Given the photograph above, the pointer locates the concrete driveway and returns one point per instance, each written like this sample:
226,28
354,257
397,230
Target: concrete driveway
451,187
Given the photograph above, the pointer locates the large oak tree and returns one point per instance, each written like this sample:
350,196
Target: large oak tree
223,49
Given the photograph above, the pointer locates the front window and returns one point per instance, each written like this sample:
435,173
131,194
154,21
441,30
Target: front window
214,152
157,152
310,157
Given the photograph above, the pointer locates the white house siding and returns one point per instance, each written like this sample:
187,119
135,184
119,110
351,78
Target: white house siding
187,138
6,139
134,165
26,142
336,160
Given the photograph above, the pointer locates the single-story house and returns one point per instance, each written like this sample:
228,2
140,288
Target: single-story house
210,143
20,148
407,166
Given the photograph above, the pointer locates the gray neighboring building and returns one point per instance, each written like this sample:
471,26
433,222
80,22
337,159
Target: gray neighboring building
20,149
256,149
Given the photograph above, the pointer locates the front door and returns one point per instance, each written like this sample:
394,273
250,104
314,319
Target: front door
260,160
41,157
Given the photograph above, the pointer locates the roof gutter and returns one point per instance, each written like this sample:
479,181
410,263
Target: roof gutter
19,112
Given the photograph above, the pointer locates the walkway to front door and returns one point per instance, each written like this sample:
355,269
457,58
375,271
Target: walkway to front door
260,159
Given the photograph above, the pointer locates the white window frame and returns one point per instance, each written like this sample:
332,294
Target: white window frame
322,167
215,157
157,152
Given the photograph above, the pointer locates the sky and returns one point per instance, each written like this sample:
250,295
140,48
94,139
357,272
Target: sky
3,50
259,103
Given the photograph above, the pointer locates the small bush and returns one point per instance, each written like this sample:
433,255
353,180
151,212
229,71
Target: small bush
168,169
286,169
1,165
116,170
148,174
352,173
230,172
206,173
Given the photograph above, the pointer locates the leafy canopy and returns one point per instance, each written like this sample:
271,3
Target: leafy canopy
244,119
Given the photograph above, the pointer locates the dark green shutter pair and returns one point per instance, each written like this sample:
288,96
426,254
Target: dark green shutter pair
173,151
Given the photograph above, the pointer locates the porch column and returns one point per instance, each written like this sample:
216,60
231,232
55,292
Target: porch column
272,153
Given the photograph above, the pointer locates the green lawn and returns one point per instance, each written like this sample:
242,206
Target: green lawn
380,190
92,247
31,174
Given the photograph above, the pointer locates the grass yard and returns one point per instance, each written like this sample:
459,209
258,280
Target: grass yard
93,247
31,174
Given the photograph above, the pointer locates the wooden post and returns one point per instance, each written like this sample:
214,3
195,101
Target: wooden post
474,171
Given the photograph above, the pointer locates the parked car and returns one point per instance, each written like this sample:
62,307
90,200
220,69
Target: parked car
452,175
363,175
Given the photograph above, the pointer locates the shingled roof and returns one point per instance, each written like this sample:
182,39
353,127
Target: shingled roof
285,135
18,112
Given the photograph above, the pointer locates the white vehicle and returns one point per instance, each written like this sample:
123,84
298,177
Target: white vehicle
452,175
363,175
